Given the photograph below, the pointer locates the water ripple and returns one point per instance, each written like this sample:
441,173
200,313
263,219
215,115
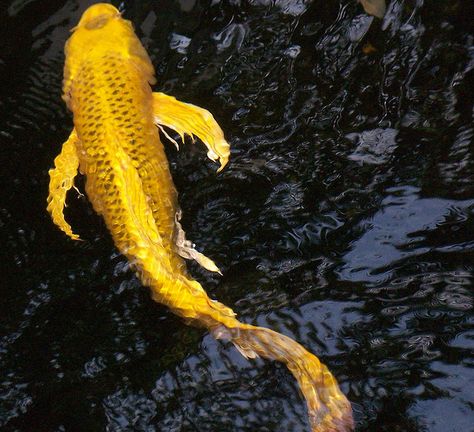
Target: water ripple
345,219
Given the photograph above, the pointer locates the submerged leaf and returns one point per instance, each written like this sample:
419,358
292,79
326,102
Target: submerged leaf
374,7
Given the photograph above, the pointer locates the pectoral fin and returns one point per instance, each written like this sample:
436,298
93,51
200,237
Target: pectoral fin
190,119
61,179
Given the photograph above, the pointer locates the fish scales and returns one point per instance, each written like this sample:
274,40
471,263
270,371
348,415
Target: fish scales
113,103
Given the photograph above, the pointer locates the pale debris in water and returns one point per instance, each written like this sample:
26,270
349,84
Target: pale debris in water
376,8
179,43
374,147
359,27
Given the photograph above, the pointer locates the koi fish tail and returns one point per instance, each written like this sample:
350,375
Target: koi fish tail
328,408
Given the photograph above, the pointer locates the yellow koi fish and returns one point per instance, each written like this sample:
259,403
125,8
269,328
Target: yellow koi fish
116,145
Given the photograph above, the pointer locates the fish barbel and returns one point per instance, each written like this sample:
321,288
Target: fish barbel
115,144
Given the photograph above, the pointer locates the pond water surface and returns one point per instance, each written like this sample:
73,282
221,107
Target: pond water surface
345,219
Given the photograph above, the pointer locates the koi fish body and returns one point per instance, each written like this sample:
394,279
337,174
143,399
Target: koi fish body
116,145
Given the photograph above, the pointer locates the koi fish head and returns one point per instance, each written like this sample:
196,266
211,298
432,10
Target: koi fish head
97,16
101,33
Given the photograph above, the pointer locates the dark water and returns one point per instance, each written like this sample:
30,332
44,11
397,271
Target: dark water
345,219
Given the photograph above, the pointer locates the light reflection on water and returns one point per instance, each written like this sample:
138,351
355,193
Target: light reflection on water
344,219
400,231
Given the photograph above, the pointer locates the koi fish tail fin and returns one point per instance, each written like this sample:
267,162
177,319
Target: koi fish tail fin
328,408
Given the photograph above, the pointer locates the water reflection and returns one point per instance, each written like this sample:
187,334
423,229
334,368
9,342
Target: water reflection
345,220
404,230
